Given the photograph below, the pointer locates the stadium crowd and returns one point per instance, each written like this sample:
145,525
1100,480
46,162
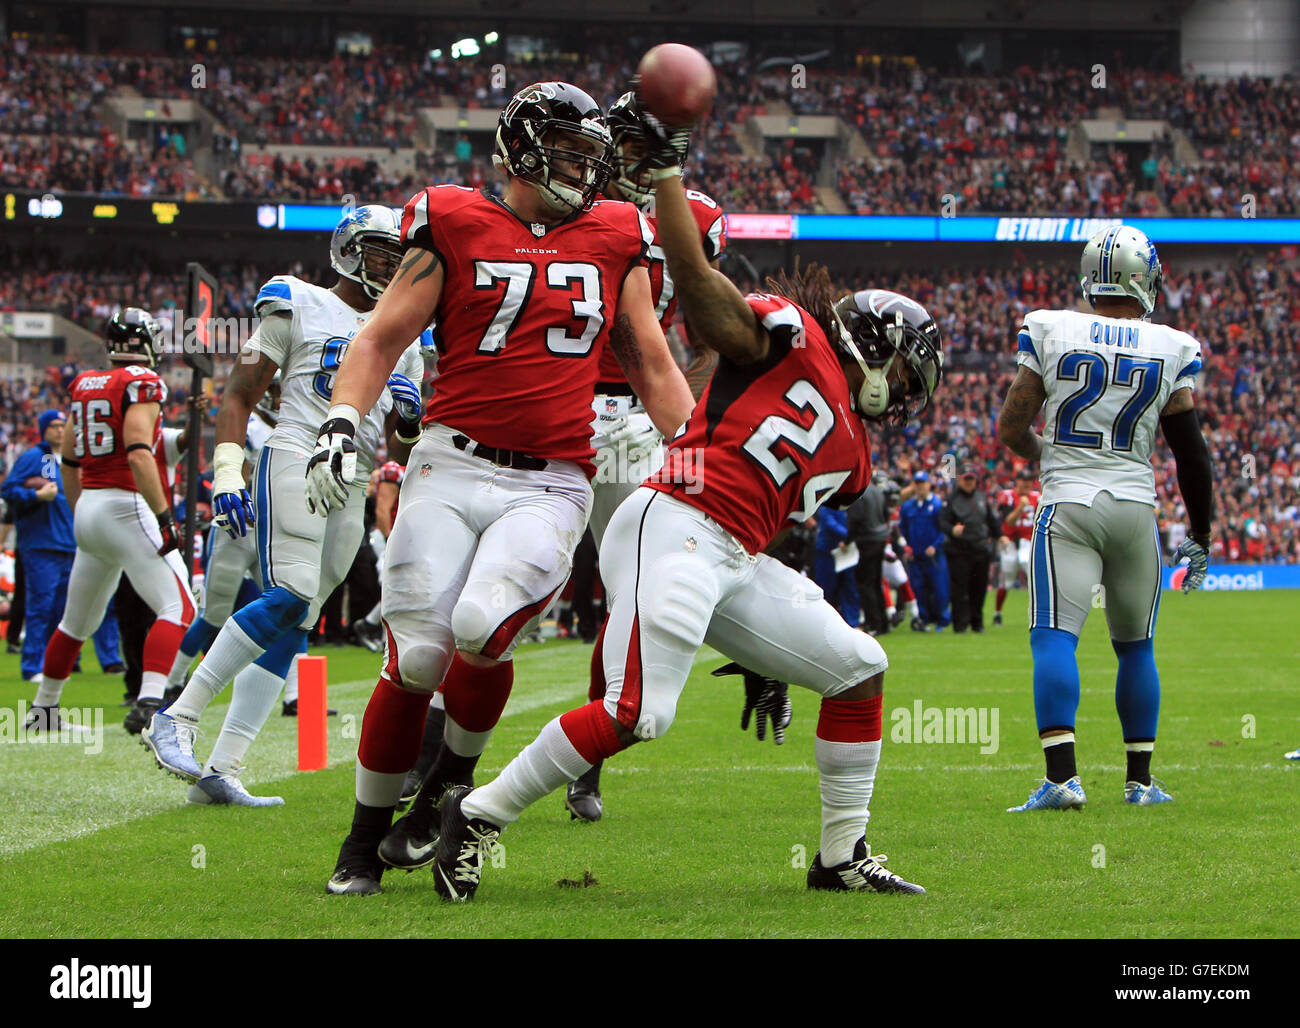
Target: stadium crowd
992,143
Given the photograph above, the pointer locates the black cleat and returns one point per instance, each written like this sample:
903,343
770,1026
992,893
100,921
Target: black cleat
463,845
864,873
582,798
290,709
368,635
919,626
141,714
413,841
358,870
898,618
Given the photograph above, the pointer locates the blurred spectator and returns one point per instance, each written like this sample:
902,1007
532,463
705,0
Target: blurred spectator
970,524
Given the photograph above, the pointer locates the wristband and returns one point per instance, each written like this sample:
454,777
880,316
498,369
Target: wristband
69,462
345,412
416,428
659,173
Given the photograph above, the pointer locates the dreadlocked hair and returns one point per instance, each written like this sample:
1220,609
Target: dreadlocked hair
811,288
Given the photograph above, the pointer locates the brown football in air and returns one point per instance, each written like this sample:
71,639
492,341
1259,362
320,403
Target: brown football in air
677,84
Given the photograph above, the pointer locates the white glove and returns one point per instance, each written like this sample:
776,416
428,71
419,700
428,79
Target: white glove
333,465
637,440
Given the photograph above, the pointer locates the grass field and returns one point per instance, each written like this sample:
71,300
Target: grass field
706,830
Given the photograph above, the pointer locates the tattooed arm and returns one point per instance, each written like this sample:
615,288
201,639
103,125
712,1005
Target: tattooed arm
642,351
403,312
715,308
1015,422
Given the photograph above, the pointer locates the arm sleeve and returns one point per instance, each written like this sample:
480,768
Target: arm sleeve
274,337
1195,476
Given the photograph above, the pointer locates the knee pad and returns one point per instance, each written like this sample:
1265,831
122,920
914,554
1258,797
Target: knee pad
472,623
867,659
276,611
420,667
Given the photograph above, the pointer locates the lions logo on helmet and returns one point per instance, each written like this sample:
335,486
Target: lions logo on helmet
367,247
535,136
133,335
1121,261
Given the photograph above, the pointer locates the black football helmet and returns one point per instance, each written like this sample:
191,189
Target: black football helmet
535,136
877,328
631,172
133,334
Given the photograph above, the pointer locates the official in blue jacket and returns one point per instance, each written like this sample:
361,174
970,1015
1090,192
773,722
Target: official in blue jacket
45,544
918,518
840,587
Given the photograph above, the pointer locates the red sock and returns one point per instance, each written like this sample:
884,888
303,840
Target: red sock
476,696
1002,596
596,690
850,720
392,729
161,646
591,730
61,654
905,594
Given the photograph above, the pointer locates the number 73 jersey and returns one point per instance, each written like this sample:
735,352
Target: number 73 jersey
770,442
1106,380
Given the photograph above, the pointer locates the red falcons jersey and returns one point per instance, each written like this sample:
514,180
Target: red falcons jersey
769,443
395,473
98,408
1023,526
713,235
524,315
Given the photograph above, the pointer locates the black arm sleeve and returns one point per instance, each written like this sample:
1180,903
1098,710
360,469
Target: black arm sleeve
1195,480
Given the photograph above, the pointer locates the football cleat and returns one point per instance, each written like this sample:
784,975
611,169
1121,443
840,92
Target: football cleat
1293,755
140,714
290,709
1146,795
413,841
582,797
997,618
462,847
357,872
171,741
1054,796
863,873
48,719
228,790
368,635
919,625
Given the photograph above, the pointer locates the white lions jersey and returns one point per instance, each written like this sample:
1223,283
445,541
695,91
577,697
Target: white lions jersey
309,356
255,437
1107,380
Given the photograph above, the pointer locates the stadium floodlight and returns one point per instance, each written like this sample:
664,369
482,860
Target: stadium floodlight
435,54
491,38
464,48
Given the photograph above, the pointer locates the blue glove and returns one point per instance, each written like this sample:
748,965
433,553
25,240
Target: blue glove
233,512
406,397
1198,563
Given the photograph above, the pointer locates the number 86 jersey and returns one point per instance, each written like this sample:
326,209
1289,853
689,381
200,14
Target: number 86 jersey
770,442
1106,381
524,315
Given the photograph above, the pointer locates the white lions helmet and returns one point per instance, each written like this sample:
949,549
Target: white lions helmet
367,247
1121,261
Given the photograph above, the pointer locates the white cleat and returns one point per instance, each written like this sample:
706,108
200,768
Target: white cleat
227,789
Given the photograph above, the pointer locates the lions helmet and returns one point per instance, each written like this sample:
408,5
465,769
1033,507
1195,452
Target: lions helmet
133,335
630,174
1121,261
367,247
535,136
878,328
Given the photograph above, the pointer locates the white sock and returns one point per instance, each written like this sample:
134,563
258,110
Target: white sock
545,764
377,789
48,691
890,611
231,651
912,609
152,685
291,681
462,742
848,775
256,690
180,668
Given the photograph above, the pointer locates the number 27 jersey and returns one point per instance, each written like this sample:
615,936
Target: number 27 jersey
1106,380
769,443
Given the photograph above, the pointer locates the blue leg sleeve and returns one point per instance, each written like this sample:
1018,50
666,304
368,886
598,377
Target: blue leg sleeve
1137,689
274,612
198,636
1056,677
280,654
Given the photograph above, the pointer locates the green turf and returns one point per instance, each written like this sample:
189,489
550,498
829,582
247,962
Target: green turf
706,829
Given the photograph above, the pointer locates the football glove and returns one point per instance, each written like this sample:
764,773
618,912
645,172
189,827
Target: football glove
637,440
406,398
171,537
232,507
765,697
332,467
1198,561
666,147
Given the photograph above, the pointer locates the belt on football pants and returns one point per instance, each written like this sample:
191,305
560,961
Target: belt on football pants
502,458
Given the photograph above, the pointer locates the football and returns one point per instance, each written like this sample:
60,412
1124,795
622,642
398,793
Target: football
677,84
